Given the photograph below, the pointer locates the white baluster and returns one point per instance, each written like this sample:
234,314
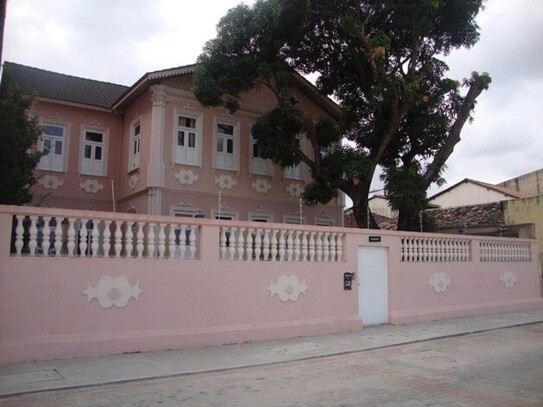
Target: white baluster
33,236
318,247
303,246
240,244
171,241
326,243
222,243
296,245
58,236
71,237
274,244
19,235
339,247
266,249
129,240
233,243
290,244
192,241
258,244
311,246
95,235
161,241
107,237
139,240
46,241
83,238
118,246
151,240
282,245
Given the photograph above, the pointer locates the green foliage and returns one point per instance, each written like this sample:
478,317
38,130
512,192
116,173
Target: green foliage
380,60
18,134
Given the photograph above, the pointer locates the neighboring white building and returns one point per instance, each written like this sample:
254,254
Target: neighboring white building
379,205
472,192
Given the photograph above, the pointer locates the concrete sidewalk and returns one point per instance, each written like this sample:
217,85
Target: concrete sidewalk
72,373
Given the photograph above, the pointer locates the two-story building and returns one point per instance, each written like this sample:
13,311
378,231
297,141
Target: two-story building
151,148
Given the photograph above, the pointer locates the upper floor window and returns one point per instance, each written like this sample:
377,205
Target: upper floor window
323,221
293,219
187,140
226,146
93,161
294,171
259,165
52,140
135,146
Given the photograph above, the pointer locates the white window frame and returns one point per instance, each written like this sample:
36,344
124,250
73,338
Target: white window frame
293,219
323,221
294,171
225,160
53,161
134,153
261,166
92,166
186,154
260,217
226,214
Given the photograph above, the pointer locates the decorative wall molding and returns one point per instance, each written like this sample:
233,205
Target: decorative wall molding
225,181
50,181
95,123
92,186
133,181
56,116
261,185
287,288
186,177
508,279
112,291
440,282
295,189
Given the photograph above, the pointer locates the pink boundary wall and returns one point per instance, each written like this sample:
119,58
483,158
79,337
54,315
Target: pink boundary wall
188,303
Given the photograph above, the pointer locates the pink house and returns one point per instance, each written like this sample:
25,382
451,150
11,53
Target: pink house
151,148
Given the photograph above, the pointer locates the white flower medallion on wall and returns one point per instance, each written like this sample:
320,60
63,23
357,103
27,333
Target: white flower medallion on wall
91,186
133,181
440,282
261,185
295,189
508,279
50,181
186,177
112,292
287,288
225,181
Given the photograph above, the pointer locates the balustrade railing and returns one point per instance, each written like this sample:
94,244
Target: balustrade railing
84,237
276,244
430,249
492,250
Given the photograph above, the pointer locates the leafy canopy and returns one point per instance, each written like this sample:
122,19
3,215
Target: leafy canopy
18,135
380,59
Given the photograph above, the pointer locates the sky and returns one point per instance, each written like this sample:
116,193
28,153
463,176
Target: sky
119,41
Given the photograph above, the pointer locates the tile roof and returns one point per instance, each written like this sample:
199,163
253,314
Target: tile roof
61,87
489,214
503,190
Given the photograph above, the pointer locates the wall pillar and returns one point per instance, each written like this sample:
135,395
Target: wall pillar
155,170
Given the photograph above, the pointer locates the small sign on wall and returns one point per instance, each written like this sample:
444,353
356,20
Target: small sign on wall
374,239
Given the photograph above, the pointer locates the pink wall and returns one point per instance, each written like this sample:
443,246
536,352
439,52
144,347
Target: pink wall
208,301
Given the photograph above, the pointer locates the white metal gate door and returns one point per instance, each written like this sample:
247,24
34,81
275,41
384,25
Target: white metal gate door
372,285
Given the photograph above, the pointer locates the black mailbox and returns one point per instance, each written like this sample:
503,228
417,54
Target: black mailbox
348,281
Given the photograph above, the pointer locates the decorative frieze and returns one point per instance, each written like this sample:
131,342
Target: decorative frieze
508,279
225,181
113,292
133,181
50,181
261,185
295,189
91,186
186,177
287,288
440,282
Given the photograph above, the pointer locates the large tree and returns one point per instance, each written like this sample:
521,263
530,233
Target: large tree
379,59
18,135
